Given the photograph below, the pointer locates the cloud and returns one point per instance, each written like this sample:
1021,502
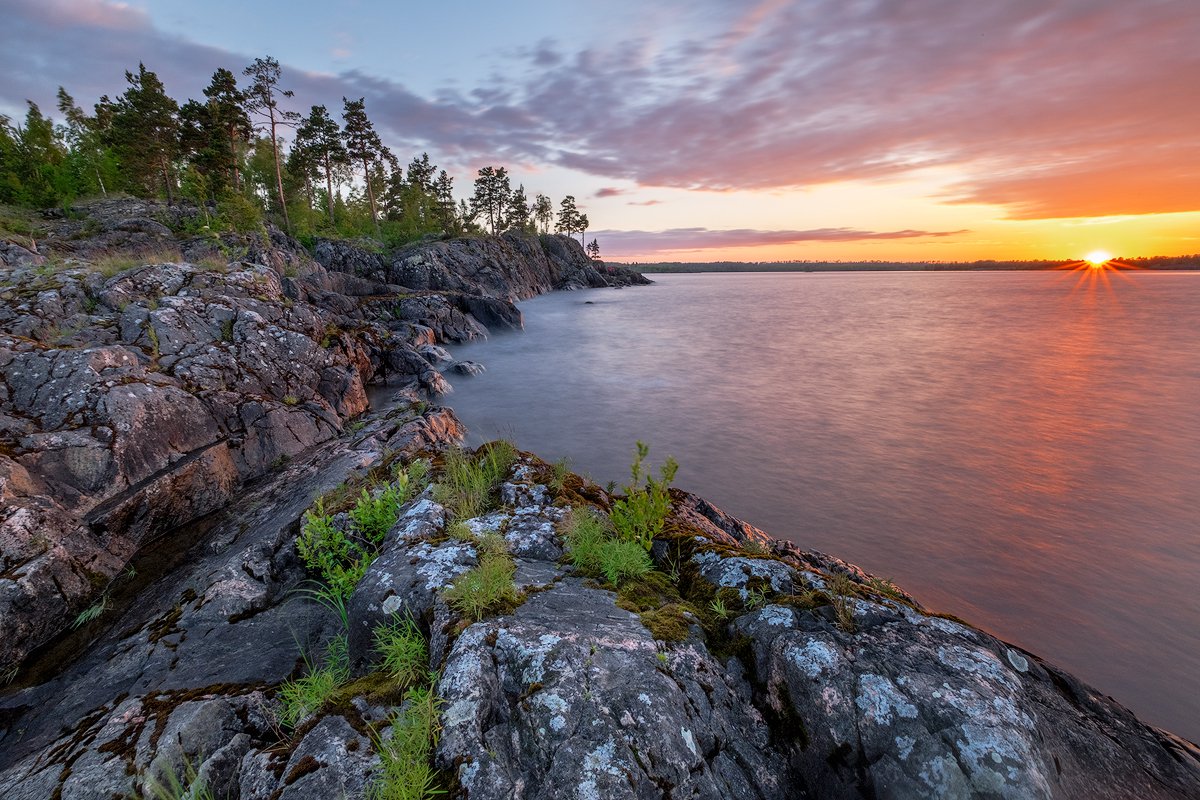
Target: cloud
609,191
643,202
1072,108
681,240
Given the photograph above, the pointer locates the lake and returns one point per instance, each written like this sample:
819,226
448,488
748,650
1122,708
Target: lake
1019,449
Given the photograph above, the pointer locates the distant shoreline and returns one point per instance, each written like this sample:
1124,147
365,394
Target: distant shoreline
1158,263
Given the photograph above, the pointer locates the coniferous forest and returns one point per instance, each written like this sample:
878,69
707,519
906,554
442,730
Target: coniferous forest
243,156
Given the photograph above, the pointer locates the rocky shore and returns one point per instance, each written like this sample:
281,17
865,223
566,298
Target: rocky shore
166,431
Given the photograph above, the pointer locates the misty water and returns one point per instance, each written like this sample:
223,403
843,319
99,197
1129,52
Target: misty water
1018,449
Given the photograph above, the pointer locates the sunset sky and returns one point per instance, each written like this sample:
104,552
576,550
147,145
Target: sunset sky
706,130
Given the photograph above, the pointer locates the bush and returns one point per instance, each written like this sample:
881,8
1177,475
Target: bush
405,656
640,515
374,516
325,549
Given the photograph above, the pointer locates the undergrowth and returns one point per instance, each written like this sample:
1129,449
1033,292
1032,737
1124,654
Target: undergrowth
306,694
466,483
595,551
405,767
640,515
173,786
404,655
488,588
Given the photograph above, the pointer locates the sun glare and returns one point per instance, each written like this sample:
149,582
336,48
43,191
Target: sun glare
1098,258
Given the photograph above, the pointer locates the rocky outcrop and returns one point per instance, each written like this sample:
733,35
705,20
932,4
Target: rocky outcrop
137,396
821,682
512,266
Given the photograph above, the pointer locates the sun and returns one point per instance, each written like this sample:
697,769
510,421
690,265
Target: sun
1098,258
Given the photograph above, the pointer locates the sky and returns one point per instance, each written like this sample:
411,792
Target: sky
715,130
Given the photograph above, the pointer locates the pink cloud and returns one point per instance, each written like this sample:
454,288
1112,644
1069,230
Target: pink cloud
609,191
677,240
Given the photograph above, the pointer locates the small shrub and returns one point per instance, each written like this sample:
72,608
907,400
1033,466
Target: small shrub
405,771
326,550
404,654
640,515
374,516
719,608
305,695
291,400
227,331
486,589
595,552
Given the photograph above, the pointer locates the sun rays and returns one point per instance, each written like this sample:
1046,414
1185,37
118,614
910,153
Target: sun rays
1094,269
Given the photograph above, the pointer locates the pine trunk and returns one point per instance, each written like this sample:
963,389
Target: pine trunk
370,195
287,224
329,189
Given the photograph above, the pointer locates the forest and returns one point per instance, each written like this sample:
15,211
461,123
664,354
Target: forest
228,154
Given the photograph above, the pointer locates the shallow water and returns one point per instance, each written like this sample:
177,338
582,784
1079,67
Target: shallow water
1019,449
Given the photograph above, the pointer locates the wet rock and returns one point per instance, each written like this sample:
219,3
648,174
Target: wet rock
468,368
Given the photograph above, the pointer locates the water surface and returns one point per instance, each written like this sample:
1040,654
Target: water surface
1019,449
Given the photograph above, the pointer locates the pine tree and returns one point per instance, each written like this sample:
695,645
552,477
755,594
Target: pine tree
492,192
568,216
443,191
262,98
366,148
543,212
83,136
145,132
227,114
593,250
517,210
320,138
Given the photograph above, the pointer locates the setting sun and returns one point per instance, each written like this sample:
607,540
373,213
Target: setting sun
1098,258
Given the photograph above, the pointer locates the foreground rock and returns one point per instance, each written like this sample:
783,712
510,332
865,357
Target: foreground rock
815,680
136,396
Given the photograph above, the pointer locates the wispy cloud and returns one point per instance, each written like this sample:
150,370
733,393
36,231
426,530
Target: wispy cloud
686,240
1073,108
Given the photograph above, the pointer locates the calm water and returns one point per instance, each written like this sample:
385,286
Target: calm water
1021,450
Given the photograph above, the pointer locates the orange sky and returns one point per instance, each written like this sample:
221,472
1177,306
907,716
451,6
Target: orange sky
707,130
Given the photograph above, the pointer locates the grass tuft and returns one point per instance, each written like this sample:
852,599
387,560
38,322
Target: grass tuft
486,589
402,647
641,514
174,787
405,769
305,695
466,483
596,552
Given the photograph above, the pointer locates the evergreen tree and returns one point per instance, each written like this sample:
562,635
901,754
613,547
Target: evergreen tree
581,222
227,114
492,192
262,98
33,159
593,250
543,212
364,147
443,191
144,132
320,139
517,210
421,172
568,216
87,152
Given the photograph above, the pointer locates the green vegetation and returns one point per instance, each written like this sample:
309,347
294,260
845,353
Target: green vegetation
405,769
595,551
841,590
558,474
340,558
640,515
306,694
466,482
224,156
402,648
174,787
92,612
486,589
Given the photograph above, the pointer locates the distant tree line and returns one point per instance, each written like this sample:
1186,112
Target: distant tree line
226,153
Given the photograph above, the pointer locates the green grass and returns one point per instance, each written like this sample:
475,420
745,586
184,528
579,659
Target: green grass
466,483
374,515
328,551
640,515
486,589
174,787
841,589
596,552
404,656
305,695
405,769
559,471
92,612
